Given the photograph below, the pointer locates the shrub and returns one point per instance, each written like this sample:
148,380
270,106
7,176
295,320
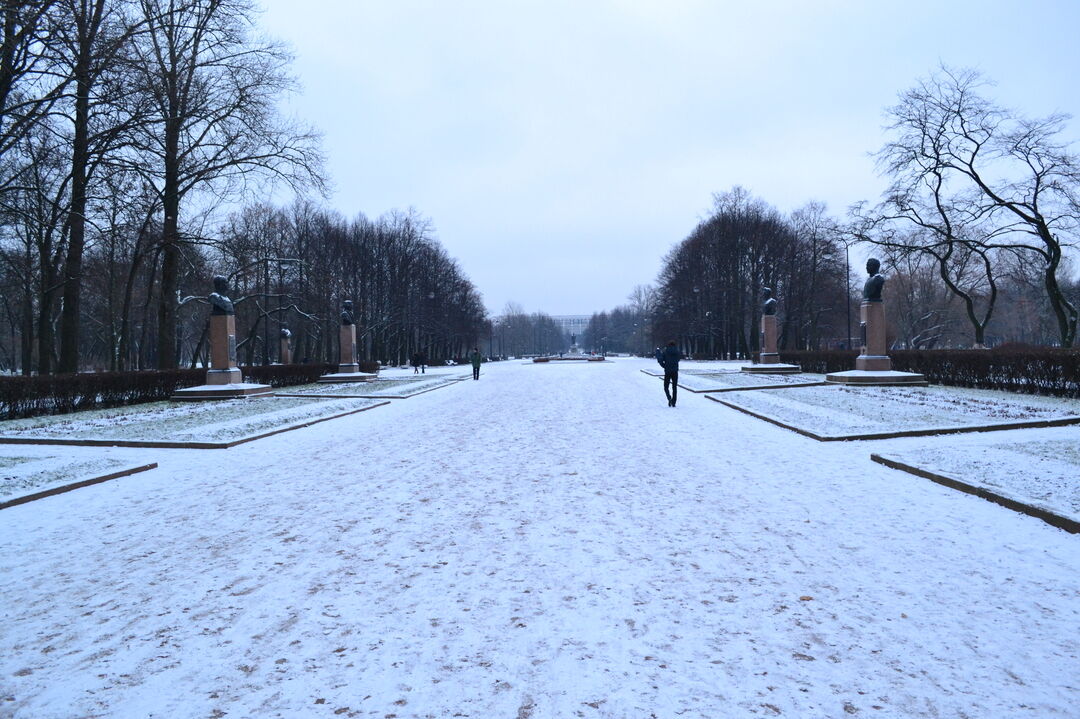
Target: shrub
286,375
63,393
1024,369
820,361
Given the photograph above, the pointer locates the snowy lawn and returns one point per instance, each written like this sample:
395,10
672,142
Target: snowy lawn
727,375
1041,473
733,380
540,545
833,411
21,475
398,387
211,421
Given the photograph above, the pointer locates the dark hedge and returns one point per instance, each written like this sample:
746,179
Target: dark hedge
286,375
63,393
1028,370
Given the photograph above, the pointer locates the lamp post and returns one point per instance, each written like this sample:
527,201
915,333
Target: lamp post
847,291
694,323
709,330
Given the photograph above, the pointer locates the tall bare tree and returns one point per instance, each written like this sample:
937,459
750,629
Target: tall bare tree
214,89
27,87
89,50
1014,172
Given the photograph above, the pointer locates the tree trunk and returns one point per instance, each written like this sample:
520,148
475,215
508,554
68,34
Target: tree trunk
69,319
170,260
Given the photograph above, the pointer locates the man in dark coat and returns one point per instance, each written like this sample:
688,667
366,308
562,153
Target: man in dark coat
475,359
669,360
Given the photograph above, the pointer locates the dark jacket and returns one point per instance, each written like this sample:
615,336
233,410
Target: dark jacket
669,358
475,359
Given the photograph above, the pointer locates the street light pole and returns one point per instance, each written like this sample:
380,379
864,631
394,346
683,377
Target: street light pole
847,291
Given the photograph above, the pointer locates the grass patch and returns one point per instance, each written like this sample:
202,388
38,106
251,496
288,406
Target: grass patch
211,421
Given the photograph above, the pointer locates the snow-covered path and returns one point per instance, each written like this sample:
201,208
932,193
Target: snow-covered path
551,541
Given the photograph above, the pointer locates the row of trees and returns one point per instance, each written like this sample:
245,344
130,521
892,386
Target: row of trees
287,268
974,233
123,122
294,267
125,126
709,291
516,333
625,329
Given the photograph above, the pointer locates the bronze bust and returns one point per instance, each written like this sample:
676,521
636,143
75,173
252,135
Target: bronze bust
219,299
872,289
346,313
768,304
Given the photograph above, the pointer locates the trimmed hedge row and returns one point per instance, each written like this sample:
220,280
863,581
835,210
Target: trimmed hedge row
286,375
1040,370
62,393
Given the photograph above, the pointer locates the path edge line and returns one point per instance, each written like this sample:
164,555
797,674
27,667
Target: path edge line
76,485
1052,518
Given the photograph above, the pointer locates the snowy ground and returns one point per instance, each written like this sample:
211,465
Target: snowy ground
219,421
21,475
551,541
728,377
1043,472
397,387
844,409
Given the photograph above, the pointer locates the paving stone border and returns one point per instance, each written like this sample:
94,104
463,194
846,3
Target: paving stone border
925,432
126,472
154,444
1052,518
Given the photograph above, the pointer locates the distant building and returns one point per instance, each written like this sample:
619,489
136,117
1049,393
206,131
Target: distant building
572,324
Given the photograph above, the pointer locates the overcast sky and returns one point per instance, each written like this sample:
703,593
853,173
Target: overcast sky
562,147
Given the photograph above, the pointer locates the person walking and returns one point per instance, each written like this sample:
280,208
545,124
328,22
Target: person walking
416,363
669,359
475,358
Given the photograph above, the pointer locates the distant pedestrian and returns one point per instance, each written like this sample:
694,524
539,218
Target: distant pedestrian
475,358
669,359
423,363
416,363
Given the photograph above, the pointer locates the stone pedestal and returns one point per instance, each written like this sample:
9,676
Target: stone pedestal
348,367
348,364
285,351
224,379
873,366
769,359
769,355
872,358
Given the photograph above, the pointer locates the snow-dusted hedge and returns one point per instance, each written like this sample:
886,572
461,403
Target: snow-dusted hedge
288,375
1031,370
62,393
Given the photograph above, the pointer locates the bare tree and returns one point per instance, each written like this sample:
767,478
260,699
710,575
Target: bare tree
1013,172
214,92
88,50
27,87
